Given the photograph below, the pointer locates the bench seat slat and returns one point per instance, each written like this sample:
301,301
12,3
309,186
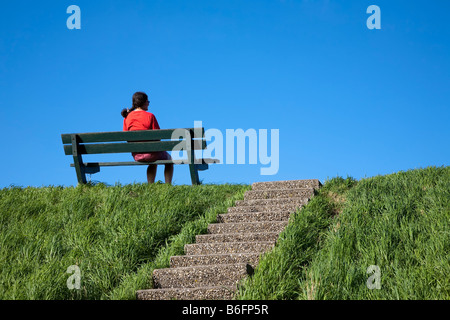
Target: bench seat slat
122,147
139,163
139,135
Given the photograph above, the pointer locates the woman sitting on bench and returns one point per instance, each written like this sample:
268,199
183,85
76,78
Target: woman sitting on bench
137,118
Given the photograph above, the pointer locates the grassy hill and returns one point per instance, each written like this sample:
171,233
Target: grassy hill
399,223
117,235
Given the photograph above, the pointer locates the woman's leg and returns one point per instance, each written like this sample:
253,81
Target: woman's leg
151,170
168,173
151,173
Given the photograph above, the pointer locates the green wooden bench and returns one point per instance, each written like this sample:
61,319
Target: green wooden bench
186,139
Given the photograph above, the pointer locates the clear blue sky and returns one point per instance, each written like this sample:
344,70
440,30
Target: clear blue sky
347,100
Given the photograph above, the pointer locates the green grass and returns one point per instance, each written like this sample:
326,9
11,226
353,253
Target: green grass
115,235
281,270
399,222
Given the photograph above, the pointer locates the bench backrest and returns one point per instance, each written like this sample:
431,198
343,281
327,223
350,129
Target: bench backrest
134,141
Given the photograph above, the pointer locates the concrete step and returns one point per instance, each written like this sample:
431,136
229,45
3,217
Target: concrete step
200,293
229,258
287,184
237,237
305,193
227,247
246,227
201,276
281,207
253,216
272,202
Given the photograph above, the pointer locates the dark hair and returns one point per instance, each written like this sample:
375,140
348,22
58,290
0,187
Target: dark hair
139,99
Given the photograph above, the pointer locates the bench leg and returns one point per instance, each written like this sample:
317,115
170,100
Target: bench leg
194,174
79,169
78,161
193,170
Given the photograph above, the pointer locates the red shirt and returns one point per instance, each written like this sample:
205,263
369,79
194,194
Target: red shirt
140,120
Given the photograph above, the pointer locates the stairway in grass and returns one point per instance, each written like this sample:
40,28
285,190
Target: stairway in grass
212,267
